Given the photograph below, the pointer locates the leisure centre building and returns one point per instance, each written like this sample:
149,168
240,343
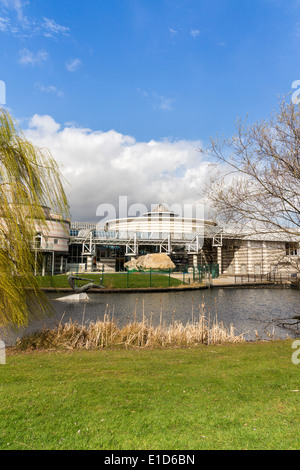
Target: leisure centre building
190,243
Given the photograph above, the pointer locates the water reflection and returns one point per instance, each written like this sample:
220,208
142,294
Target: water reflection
249,310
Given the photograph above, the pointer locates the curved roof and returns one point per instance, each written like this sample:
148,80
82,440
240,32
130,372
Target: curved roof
160,209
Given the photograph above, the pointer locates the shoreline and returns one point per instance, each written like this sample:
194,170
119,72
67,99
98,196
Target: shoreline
251,285
258,290
14,350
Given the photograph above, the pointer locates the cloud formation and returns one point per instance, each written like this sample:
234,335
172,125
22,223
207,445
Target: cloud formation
28,57
102,166
158,101
194,33
17,23
73,64
17,6
49,89
53,29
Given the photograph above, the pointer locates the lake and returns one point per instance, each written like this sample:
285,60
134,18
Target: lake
249,310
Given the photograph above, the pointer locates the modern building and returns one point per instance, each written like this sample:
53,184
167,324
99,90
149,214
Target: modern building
51,244
190,243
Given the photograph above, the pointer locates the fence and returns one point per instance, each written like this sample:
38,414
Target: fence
131,279
207,272
151,278
269,277
167,278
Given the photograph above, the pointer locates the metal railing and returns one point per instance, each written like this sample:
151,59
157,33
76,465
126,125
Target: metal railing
269,277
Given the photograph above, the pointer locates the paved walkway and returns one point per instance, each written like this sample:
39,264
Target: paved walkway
223,281
230,281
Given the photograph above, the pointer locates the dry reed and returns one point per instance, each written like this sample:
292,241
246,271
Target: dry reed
107,334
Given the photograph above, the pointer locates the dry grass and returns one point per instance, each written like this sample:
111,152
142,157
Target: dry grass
107,334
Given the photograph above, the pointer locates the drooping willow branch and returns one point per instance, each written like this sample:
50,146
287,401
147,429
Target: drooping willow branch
30,180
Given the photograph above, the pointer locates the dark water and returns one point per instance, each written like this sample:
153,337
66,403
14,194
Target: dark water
248,310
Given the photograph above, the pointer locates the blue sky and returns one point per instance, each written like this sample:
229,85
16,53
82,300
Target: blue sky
155,70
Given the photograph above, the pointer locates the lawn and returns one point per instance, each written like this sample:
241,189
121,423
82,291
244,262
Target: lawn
114,280
240,396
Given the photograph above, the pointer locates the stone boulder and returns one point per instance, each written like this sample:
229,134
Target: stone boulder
153,261
131,265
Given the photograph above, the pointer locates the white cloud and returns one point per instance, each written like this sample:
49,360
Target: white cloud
4,24
17,23
101,166
53,29
173,32
17,6
73,64
28,57
48,89
158,101
165,103
173,35
194,33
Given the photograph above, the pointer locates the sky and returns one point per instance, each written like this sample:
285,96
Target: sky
124,93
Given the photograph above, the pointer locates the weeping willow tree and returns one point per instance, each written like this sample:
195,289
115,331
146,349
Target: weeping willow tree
30,180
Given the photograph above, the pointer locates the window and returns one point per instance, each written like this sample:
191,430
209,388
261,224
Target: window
292,249
256,244
274,268
38,240
257,269
243,269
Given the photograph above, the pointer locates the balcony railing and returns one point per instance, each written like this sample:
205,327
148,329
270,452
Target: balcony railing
44,246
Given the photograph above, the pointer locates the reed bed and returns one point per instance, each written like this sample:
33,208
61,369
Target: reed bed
107,333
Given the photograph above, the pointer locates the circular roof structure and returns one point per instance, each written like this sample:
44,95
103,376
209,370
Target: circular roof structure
160,209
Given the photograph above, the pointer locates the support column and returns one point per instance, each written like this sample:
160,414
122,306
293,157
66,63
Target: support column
236,261
219,258
61,264
249,258
264,268
89,263
44,265
53,262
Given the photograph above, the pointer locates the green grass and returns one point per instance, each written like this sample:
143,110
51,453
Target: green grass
213,397
118,281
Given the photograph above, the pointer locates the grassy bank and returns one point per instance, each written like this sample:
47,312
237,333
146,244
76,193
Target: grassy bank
239,396
114,280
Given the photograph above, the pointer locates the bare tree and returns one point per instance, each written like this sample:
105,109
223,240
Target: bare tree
261,185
